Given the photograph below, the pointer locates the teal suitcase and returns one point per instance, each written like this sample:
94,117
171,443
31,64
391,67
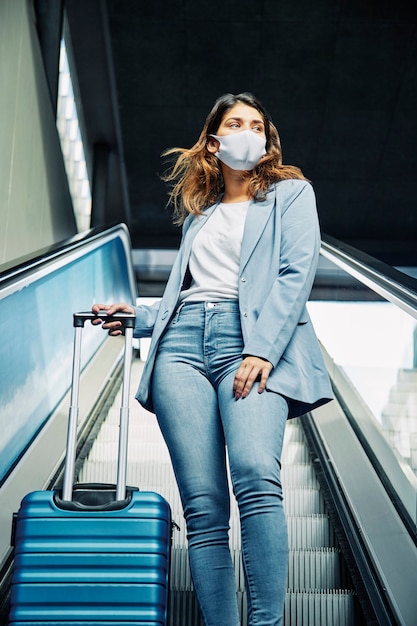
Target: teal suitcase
92,554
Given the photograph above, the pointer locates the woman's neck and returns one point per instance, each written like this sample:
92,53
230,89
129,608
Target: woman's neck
235,185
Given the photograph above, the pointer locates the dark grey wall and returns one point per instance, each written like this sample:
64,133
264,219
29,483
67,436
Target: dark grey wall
338,77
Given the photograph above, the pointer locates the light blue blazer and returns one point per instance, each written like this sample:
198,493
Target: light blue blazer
279,256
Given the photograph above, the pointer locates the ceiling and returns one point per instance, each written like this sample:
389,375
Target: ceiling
339,78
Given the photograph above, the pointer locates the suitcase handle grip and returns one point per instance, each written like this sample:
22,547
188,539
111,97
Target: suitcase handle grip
127,319
94,497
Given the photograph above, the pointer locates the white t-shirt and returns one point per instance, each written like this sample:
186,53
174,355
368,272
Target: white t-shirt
215,255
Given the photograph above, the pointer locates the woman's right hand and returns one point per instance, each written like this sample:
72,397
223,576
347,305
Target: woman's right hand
114,328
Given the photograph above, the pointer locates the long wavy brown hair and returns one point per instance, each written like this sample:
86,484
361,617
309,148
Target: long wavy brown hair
196,176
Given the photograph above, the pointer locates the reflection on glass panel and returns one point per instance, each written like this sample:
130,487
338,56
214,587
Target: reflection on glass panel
375,343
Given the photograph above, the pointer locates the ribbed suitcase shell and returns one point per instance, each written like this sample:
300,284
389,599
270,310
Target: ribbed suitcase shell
91,567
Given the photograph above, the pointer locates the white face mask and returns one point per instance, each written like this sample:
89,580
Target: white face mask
241,150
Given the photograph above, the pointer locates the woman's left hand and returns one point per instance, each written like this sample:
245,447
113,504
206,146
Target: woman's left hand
251,369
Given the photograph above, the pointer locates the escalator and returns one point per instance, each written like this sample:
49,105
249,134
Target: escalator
349,468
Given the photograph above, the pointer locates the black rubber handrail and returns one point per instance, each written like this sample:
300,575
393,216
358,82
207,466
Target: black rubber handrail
10,270
387,281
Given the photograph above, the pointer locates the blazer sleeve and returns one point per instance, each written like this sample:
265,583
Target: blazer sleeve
145,319
146,316
299,253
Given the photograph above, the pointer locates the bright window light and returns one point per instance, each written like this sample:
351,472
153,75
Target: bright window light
72,145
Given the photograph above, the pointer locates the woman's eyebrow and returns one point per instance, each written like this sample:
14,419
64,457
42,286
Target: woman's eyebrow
240,119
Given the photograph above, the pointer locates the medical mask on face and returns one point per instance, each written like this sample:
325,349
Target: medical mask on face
241,150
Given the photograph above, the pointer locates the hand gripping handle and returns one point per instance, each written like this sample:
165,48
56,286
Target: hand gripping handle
127,319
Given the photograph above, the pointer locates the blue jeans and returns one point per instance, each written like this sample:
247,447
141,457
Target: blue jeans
192,388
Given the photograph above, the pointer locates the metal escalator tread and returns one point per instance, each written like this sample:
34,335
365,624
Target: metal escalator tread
319,591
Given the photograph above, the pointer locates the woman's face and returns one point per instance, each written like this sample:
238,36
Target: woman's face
241,117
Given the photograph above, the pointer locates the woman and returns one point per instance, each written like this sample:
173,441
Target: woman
233,352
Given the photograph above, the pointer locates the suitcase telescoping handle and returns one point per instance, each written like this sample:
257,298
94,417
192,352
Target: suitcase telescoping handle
128,322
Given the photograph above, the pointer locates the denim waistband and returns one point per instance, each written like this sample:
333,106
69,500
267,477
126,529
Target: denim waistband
221,305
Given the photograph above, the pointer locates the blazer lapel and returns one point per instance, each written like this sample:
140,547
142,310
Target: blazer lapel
256,219
196,224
